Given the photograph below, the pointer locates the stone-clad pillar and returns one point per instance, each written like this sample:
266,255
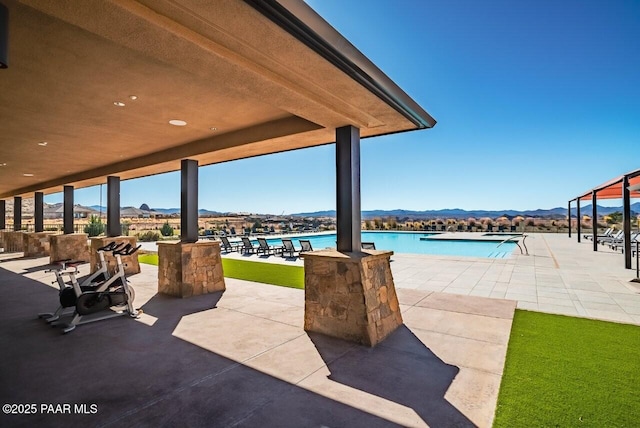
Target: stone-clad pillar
349,293
189,269
350,296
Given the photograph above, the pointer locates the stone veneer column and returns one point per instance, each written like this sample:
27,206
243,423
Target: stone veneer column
131,264
189,269
350,296
13,241
36,244
73,246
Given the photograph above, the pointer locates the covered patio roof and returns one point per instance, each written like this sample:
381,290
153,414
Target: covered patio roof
612,189
91,87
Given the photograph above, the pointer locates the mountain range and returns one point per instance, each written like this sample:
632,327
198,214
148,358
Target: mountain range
558,212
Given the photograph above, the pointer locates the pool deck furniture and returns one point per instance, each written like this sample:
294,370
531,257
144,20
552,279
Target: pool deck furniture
368,245
247,246
266,249
228,246
306,245
288,248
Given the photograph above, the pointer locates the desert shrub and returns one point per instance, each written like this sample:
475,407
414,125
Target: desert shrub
95,226
148,236
166,229
125,226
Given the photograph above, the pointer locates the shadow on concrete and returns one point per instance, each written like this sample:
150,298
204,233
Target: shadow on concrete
141,374
400,369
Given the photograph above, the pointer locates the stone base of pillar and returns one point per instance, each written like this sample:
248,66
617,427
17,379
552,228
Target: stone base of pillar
132,266
36,244
350,296
73,246
186,270
13,241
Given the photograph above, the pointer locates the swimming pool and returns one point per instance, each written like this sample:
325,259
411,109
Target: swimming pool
412,244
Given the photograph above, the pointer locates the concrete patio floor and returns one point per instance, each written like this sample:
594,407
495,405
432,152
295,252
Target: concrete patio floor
241,358
559,276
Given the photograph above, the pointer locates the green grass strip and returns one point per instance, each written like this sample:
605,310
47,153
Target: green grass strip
267,273
567,372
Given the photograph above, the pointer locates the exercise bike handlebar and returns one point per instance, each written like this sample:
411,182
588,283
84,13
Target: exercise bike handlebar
111,246
127,250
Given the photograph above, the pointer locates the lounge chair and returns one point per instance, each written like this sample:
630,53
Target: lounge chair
247,246
612,238
607,233
368,245
306,245
287,247
228,246
619,243
266,249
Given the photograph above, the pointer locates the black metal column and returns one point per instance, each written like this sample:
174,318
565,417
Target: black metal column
348,188
113,207
3,215
189,201
38,212
67,212
594,219
626,221
569,216
578,217
17,213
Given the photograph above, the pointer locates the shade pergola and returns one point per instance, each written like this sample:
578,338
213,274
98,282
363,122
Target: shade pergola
625,187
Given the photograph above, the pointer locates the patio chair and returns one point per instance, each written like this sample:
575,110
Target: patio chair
368,245
607,233
228,246
611,238
247,246
266,249
288,248
306,245
619,243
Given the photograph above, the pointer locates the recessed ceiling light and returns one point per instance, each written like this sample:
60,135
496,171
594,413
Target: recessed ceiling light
177,122
118,104
133,97
42,143
3,164
28,175
213,128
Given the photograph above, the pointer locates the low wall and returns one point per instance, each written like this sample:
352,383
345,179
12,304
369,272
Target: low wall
13,241
350,296
186,270
74,246
36,244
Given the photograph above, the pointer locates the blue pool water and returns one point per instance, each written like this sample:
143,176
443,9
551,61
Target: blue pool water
411,243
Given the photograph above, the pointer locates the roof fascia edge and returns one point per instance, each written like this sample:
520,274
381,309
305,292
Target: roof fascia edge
367,74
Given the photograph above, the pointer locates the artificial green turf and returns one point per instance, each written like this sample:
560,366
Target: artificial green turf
565,372
268,273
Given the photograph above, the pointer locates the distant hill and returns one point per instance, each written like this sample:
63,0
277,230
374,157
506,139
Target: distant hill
164,211
558,212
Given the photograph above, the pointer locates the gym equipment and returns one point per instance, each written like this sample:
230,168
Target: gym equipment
67,293
113,293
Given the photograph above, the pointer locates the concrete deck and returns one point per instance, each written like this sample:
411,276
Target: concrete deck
559,276
241,358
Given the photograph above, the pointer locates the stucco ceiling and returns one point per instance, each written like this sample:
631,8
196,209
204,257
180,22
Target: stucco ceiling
221,65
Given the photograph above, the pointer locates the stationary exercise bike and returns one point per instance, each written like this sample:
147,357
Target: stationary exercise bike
114,296
67,293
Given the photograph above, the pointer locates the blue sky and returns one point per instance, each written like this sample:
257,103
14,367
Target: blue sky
536,102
